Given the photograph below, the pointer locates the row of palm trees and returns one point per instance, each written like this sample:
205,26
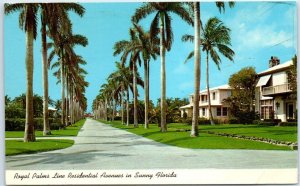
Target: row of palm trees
214,38
55,25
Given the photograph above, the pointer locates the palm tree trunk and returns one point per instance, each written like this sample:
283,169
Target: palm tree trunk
208,92
62,90
135,116
113,103
29,134
67,98
127,108
105,109
46,128
163,77
122,106
146,125
197,62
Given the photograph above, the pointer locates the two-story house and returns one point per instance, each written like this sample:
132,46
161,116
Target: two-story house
272,95
217,95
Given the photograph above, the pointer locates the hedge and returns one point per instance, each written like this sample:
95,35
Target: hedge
282,124
18,124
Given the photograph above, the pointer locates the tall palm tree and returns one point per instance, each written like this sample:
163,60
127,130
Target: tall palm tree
63,47
162,24
215,39
216,36
28,23
54,23
195,6
149,48
131,47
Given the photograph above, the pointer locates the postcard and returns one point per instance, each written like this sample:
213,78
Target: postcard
102,93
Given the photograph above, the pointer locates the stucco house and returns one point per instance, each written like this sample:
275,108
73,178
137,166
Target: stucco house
272,95
217,94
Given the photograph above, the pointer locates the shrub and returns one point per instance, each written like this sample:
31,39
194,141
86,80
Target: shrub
233,120
18,124
282,124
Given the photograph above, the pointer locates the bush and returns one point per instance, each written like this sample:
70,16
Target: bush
233,120
282,124
18,124
267,122
202,121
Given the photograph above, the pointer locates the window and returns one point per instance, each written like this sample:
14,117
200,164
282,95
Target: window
203,111
219,111
266,112
214,95
202,98
224,111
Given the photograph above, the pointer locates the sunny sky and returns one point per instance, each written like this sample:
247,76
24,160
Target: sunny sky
259,30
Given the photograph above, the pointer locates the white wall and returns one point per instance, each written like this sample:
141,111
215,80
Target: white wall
280,112
279,78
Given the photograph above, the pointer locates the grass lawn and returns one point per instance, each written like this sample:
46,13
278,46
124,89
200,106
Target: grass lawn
14,147
272,132
68,131
204,141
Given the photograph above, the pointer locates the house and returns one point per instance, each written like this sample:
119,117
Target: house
217,95
272,95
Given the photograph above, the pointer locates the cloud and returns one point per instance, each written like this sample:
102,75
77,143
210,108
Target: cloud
261,28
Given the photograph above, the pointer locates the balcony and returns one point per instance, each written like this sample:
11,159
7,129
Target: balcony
274,90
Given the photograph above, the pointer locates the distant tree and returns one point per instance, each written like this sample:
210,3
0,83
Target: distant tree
243,93
292,77
7,100
243,84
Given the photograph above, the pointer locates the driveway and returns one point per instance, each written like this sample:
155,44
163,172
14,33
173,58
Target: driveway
100,146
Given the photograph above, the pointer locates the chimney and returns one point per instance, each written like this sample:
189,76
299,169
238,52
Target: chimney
273,61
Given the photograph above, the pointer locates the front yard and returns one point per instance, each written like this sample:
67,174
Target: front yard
181,138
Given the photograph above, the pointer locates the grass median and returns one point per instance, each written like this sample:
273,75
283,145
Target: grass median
14,147
204,141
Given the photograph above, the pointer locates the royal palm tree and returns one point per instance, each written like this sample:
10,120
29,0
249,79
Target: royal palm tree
195,7
28,23
54,23
131,47
63,47
161,24
149,48
123,77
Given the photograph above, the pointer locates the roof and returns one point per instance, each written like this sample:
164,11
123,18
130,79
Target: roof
52,108
222,87
186,106
277,68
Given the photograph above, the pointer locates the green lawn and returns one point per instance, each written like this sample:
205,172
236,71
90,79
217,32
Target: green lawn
271,132
14,147
68,131
204,141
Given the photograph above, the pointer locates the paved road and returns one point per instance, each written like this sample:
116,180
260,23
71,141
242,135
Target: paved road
99,146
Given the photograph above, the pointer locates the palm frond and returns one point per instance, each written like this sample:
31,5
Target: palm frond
187,37
191,54
169,32
142,12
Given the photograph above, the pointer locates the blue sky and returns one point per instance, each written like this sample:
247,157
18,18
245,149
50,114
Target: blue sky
259,30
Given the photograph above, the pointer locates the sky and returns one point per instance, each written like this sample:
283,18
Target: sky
259,30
